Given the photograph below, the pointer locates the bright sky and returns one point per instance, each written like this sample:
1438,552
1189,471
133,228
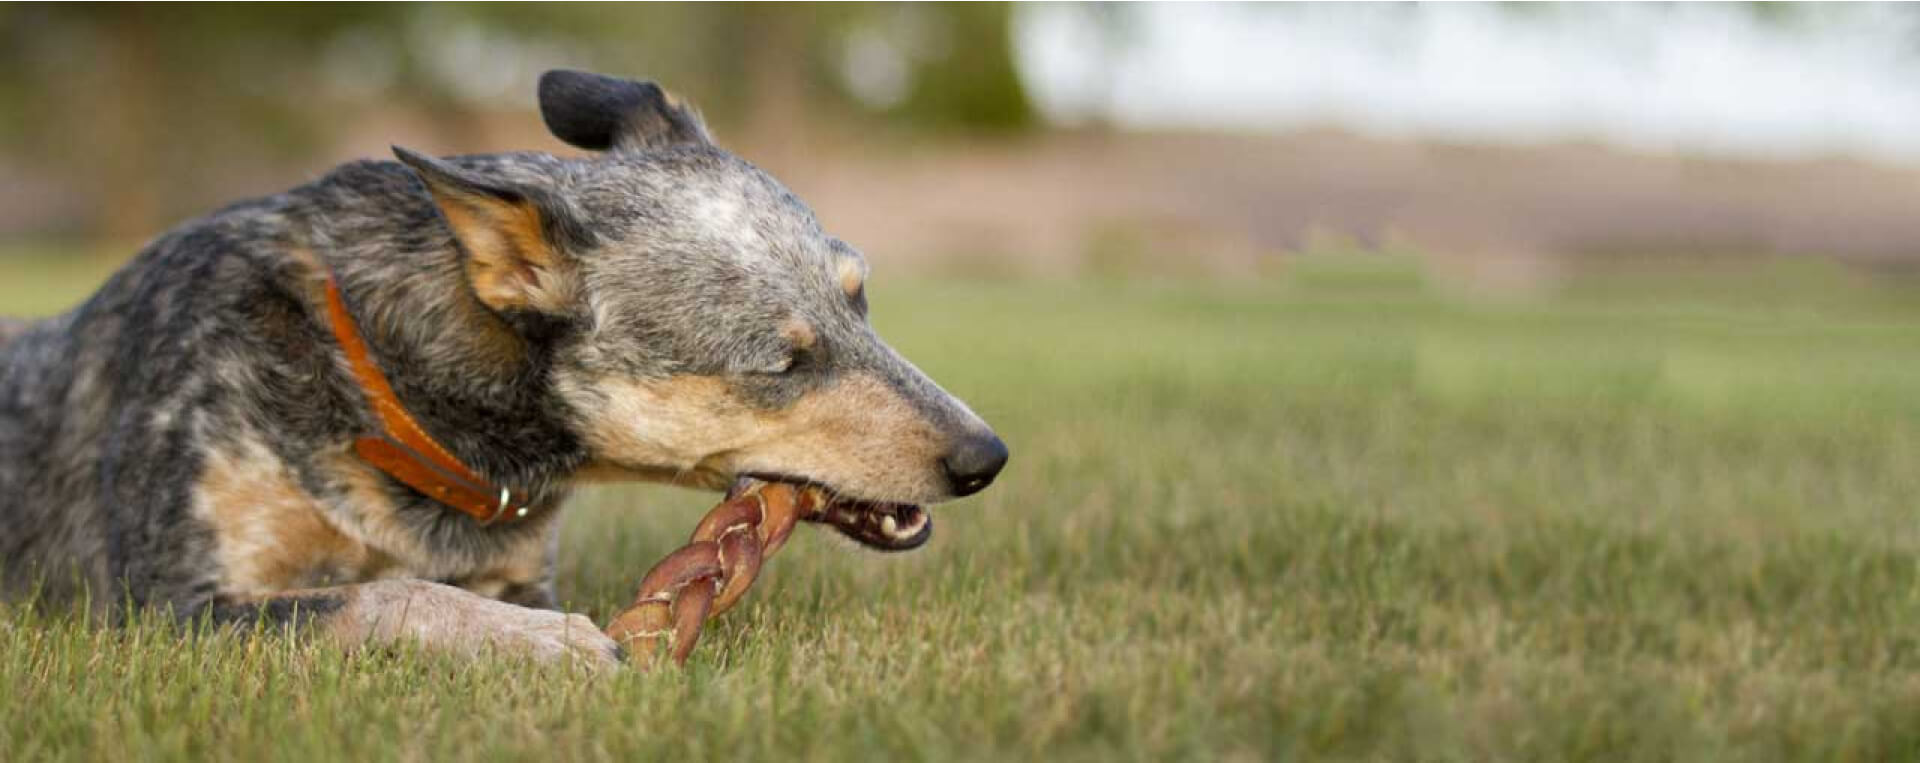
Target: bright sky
1711,78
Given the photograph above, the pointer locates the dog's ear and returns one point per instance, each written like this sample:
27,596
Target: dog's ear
599,113
515,237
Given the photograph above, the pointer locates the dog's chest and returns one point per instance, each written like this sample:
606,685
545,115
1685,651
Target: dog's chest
269,534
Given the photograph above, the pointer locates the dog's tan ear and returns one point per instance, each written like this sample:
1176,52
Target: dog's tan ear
515,238
601,113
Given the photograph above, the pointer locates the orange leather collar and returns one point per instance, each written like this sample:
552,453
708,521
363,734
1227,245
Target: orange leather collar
403,450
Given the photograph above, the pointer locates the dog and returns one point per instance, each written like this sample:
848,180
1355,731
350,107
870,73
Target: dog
356,408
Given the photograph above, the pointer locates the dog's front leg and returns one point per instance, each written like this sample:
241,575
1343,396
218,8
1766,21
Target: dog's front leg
436,616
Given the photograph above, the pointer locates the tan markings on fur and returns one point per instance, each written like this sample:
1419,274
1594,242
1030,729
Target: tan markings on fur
672,424
448,619
510,263
857,434
311,279
270,535
797,330
853,275
312,273
607,472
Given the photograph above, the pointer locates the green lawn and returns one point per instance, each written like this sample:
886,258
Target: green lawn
1326,516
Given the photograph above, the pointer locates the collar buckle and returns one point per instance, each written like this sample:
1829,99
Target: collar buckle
506,499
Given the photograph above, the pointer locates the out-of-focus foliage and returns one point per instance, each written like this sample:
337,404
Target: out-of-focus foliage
138,106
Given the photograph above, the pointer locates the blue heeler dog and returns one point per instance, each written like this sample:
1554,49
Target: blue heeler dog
357,406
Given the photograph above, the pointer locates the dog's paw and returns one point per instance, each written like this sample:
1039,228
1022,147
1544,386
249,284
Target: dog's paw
445,618
552,637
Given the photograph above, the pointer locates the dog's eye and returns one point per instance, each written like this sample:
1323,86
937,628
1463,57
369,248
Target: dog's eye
800,338
787,363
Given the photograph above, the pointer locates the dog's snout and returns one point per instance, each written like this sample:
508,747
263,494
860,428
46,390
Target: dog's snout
973,463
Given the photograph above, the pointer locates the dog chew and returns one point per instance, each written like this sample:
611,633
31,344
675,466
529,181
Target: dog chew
708,575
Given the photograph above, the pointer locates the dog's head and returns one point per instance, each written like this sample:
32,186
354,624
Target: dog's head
708,328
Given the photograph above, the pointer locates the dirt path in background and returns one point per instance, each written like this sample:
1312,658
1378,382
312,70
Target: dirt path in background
1223,203
1232,204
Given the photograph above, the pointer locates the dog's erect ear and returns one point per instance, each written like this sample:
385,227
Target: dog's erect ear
599,113
514,236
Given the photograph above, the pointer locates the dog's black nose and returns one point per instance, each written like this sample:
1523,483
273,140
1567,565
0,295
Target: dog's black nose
974,462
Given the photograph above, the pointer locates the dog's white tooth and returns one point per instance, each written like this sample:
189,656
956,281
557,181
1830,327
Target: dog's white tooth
888,526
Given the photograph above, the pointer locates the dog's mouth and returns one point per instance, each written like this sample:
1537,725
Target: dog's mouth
877,525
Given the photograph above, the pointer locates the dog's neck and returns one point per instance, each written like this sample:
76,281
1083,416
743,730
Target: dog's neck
476,381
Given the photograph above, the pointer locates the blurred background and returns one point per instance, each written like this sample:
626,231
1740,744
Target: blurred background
1508,146
1387,381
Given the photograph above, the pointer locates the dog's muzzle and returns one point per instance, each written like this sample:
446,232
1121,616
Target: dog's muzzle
877,525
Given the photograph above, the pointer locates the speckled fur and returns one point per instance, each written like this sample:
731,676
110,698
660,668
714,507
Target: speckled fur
131,426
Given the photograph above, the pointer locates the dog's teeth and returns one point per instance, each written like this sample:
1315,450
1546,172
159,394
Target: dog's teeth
888,526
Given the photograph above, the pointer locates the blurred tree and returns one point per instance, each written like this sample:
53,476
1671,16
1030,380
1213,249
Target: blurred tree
148,113
956,65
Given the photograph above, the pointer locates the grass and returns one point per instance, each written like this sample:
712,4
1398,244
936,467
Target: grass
1312,517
